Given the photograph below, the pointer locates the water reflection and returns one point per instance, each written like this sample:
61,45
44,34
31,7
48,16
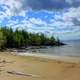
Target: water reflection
71,49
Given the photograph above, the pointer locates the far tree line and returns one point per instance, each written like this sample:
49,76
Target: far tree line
21,38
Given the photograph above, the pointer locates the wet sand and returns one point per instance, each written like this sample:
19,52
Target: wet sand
38,68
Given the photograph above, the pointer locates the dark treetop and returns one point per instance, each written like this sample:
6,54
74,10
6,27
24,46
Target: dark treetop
22,38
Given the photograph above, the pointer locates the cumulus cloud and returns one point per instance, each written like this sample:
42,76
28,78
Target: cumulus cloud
17,6
68,20
63,15
13,7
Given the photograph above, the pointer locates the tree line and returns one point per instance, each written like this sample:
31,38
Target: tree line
21,38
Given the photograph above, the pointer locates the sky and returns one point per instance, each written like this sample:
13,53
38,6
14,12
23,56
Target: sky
60,18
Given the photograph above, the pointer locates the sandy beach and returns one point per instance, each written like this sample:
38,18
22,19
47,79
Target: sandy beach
16,67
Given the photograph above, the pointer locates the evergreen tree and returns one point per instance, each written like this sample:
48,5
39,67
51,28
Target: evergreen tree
22,38
2,40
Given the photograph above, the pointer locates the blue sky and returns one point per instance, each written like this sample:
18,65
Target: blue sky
60,18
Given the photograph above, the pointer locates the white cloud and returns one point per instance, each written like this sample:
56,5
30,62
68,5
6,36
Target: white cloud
13,5
37,21
62,23
72,13
4,14
11,8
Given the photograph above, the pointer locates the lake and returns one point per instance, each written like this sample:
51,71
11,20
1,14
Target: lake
71,49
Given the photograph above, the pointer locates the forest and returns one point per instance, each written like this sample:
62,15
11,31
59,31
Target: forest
10,38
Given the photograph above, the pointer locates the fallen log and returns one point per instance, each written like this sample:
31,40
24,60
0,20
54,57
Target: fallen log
21,73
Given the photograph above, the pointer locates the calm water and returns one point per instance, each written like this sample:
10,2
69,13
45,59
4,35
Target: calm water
71,49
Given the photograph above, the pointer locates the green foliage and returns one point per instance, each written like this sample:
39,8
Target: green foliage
21,38
2,40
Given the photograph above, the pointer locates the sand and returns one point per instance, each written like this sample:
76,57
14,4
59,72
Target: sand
38,68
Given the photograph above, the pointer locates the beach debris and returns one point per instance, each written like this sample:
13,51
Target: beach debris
4,61
21,73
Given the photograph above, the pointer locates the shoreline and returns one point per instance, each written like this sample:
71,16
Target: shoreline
51,57
72,59
38,67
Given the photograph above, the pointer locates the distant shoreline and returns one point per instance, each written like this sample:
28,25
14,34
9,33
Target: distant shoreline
24,49
47,56
70,59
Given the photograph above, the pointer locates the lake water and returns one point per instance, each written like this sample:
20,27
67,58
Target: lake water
71,49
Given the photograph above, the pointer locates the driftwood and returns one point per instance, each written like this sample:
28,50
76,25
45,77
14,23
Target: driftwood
21,73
